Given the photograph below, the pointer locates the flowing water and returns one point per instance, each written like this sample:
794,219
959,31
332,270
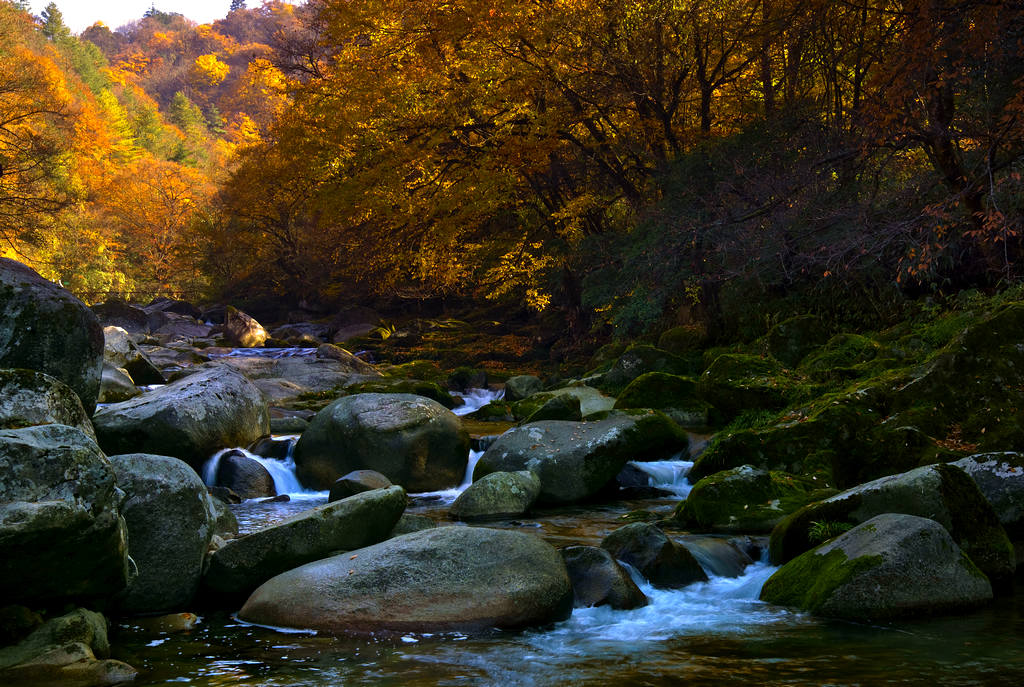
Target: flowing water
713,633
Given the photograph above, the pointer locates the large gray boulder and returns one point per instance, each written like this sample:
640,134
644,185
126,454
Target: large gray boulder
120,351
575,460
356,482
521,386
243,564
170,523
445,578
1000,477
71,650
943,493
243,475
599,580
893,566
30,398
243,330
662,561
45,328
116,385
498,494
189,419
412,440
61,536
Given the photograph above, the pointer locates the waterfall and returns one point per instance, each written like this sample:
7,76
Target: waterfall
282,471
669,475
475,399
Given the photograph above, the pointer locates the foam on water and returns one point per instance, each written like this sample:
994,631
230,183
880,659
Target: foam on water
449,495
475,399
282,471
669,475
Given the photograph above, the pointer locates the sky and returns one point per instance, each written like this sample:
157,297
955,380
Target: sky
80,14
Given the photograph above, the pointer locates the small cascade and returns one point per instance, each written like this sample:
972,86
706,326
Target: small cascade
449,495
475,399
274,353
668,475
282,471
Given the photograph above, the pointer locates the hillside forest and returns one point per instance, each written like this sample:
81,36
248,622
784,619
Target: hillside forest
605,167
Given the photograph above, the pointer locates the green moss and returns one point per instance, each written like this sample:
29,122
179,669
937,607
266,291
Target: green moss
681,340
791,537
417,369
658,390
417,387
809,580
975,525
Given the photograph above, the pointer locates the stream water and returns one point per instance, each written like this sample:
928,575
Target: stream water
706,634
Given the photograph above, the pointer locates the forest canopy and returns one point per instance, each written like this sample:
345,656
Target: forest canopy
614,163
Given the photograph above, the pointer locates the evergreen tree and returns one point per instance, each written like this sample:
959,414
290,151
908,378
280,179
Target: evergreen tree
54,27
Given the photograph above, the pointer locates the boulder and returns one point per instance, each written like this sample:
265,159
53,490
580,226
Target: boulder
640,360
683,340
45,328
790,340
563,407
662,561
575,460
943,493
521,386
189,419
735,382
243,475
245,563
844,356
891,567
170,519
498,494
673,395
591,401
356,482
720,556
29,398
120,351
598,580
116,385
416,387
164,304
243,331
441,579
278,448
61,536
466,378
331,352
414,441
1000,477
409,523
745,499
115,313
68,651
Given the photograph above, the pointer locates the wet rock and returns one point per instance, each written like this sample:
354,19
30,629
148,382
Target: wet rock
29,398
244,563
120,351
288,425
242,330
1000,477
69,651
498,494
277,448
115,313
61,536
170,522
413,441
224,522
189,419
557,408
863,574
663,562
745,499
244,476
45,328
522,386
575,460
599,580
356,482
172,623
943,493
116,385
445,578
409,523
718,556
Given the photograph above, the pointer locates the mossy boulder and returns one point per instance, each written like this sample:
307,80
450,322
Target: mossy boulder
427,370
414,441
243,564
564,407
416,387
745,499
844,356
29,398
522,386
465,579
891,567
591,401
61,535
792,339
575,460
683,340
599,580
642,359
1000,477
944,493
735,382
674,395
662,561
170,520
43,327
466,378
190,419
498,494
495,411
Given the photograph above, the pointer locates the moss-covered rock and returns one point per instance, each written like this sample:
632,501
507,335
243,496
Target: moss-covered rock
560,407
499,494
792,339
416,387
641,359
522,386
864,573
735,382
844,356
683,340
591,401
29,398
1000,477
495,411
745,499
943,493
417,369
466,378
